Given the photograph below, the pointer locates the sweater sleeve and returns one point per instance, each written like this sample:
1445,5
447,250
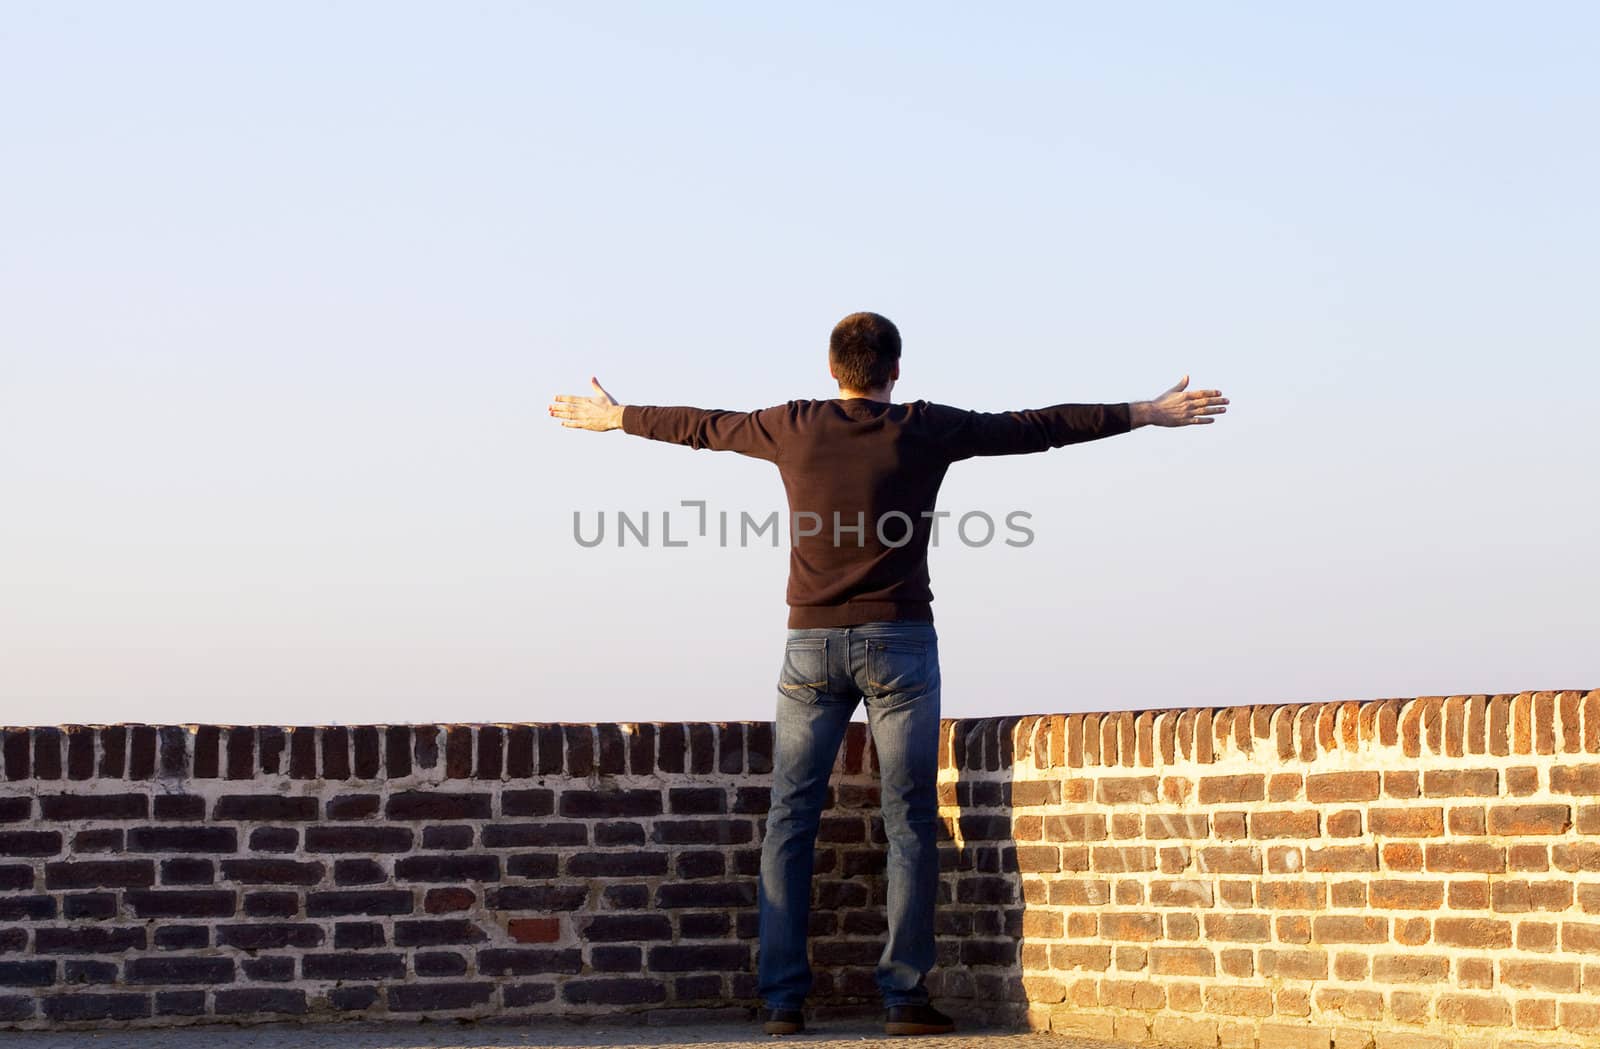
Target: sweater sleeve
749,433
964,434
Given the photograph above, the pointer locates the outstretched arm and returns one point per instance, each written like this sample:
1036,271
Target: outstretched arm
748,433
965,434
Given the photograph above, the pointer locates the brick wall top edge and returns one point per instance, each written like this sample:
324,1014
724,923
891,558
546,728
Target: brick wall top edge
1537,723
1548,722
1362,705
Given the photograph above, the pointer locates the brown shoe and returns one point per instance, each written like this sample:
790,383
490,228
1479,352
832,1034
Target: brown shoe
782,1021
916,1019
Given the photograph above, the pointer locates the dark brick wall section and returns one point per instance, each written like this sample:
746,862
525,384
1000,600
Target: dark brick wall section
1420,872
163,874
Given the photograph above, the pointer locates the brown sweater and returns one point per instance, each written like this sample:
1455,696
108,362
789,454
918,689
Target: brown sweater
877,466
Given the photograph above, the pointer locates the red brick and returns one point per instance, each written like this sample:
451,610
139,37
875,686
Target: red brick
1412,932
1349,928
534,930
1410,968
1047,925
1136,927
1283,894
1284,787
1580,1017
1351,893
1131,959
1555,977
1402,856
1229,825
1407,823
1521,820
1536,936
1038,858
1345,824
1246,928
1342,786
1182,961
1589,819
448,901
1409,1007
1536,1014
1520,896
1520,782
1474,1010
1578,936
1353,1004
1164,825
1487,859
1294,965
1126,790
1028,793
1239,1001
1584,856
1529,857
1482,933
1469,895
1236,892
1124,860
1575,779
1351,967
1407,895
1337,858
1302,824
1467,820
1402,785
1080,956
1181,894
1461,783
1216,790
1230,860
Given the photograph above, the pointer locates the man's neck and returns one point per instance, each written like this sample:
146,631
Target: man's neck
881,394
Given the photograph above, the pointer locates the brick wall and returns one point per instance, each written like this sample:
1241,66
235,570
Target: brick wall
1412,874
178,874
1419,873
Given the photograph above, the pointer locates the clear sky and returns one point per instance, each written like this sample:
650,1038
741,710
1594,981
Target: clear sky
285,289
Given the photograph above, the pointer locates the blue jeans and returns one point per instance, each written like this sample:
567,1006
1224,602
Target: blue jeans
895,668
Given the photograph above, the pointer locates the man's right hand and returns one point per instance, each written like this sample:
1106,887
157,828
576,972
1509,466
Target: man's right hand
1175,407
600,413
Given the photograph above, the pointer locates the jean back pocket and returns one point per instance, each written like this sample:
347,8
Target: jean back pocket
805,667
897,666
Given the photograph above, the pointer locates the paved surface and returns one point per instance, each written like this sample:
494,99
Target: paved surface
858,1034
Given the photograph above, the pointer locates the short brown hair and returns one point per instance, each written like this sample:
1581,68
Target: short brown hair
864,349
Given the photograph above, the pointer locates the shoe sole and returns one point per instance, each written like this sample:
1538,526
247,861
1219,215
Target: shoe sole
915,1028
781,1027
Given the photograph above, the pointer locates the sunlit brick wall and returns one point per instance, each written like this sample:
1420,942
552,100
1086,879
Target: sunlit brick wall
1415,874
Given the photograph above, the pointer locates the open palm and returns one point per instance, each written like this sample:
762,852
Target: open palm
1178,407
600,412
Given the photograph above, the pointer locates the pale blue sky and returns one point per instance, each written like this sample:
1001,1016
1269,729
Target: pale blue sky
285,288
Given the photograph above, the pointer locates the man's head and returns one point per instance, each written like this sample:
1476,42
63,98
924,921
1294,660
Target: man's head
864,352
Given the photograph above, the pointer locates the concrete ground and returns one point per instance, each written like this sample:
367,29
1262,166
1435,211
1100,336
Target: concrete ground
828,1034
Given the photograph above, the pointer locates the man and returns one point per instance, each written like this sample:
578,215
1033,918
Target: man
862,475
